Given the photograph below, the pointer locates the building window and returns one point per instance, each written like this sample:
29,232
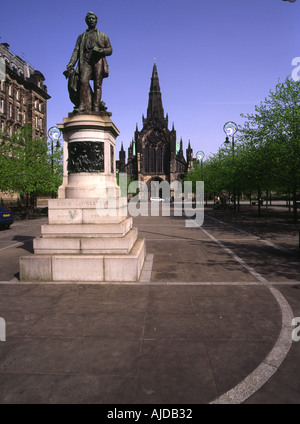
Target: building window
24,117
10,111
18,94
163,160
14,67
159,161
1,106
146,160
41,123
10,90
36,122
152,167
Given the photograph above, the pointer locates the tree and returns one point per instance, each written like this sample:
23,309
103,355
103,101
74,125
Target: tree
26,166
273,137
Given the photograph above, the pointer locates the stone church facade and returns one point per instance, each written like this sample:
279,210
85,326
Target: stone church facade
154,153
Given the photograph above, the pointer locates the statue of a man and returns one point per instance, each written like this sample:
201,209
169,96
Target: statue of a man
90,51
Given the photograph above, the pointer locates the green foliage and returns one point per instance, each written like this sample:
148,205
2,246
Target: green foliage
125,183
26,166
266,153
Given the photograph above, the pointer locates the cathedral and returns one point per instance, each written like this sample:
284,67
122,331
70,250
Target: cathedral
154,154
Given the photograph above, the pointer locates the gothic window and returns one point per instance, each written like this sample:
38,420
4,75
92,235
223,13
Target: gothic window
152,167
146,159
164,166
158,160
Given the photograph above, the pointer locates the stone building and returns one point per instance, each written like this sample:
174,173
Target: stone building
23,95
154,153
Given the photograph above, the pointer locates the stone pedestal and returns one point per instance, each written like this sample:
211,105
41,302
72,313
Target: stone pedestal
89,236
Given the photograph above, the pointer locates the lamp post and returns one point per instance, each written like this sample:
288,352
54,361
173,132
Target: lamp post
200,156
230,128
54,134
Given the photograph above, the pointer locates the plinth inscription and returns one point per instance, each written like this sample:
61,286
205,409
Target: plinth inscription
86,156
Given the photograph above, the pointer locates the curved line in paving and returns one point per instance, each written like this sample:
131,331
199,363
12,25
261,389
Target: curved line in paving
272,362
254,381
270,365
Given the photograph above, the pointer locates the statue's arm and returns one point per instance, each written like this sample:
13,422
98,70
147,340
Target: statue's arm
75,54
106,49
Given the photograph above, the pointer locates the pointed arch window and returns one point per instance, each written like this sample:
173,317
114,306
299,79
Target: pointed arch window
146,159
163,154
152,167
159,160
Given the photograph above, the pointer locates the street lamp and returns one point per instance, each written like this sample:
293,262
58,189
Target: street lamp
54,134
200,156
230,128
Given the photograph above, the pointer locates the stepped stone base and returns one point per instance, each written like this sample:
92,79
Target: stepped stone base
87,245
84,268
89,237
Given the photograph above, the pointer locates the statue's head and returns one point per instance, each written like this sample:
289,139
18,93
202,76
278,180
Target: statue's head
91,19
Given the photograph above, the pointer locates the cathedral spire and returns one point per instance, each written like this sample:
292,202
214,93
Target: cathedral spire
155,107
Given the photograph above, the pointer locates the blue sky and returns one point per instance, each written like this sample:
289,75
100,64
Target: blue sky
216,59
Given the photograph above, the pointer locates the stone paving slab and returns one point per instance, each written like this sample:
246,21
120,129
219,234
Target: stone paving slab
188,342
169,344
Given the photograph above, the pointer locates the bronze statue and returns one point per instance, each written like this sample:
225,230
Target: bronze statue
90,51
